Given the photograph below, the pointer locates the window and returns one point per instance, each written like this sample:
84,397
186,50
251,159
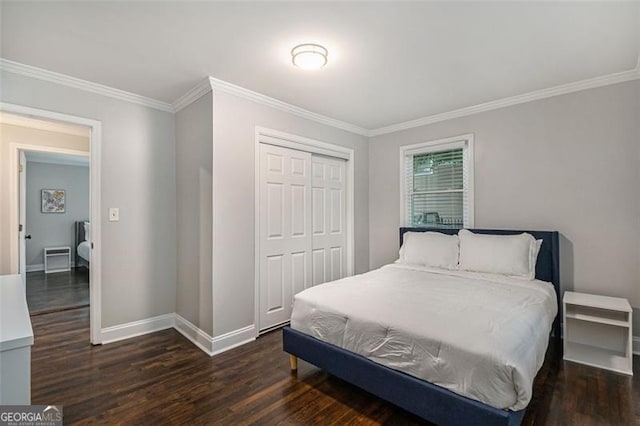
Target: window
437,183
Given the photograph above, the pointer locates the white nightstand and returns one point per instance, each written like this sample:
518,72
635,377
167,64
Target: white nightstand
57,259
597,331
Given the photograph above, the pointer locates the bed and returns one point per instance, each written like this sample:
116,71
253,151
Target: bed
336,345
83,246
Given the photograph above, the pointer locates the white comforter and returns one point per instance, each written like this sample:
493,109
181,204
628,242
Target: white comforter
482,336
84,250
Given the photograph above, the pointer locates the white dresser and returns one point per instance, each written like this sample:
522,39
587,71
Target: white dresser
16,338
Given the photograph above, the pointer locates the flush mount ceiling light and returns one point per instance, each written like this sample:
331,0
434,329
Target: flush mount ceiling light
309,56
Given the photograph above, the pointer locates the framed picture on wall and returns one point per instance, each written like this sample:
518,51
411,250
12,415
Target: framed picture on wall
53,201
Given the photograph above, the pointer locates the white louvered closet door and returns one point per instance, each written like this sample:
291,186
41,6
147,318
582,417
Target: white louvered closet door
285,231
328,204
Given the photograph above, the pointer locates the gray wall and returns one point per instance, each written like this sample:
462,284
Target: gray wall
569,163
138,176
194,158
54,229
233,203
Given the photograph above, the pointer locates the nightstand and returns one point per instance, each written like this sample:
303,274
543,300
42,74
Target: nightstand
597,331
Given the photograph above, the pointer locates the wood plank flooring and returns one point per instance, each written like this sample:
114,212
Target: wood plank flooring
57,291
161,378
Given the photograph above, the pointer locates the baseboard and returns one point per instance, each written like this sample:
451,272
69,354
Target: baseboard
194,334
214,345
233,339
137,328
35,268
636,345
209,345
40,267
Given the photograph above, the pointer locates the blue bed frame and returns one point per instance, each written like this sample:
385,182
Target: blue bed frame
424,399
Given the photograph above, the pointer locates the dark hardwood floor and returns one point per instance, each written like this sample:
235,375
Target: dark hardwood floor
161,378
57,291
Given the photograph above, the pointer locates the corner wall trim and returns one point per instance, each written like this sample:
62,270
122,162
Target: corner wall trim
137,328
192,95
76,83
214,345
636,345
198,337
233,339
563,89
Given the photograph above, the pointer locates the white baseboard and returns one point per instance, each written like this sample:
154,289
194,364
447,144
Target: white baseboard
194,334
208,344
35,268
137,328
233,339
636,345
40,267
214,345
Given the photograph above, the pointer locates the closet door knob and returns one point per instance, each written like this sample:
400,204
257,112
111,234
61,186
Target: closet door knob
27,237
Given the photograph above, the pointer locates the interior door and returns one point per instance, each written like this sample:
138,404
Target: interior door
22,215
329,253
285,231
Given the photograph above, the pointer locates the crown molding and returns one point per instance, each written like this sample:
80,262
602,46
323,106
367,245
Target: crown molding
76,83
232,89
192,95
211,83
577,86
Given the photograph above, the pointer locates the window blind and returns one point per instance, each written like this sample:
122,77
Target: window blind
437,189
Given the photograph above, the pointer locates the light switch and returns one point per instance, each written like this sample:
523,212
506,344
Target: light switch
114,214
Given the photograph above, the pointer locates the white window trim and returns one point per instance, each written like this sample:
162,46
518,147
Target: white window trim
454,142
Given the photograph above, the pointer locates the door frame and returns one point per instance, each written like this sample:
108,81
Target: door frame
22,215
95,139
313,146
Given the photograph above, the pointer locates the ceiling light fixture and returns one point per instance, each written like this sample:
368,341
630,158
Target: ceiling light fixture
309,56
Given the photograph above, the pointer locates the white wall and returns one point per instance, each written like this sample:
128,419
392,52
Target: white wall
54,229
569,163
10,134
233,202
194,158
138,176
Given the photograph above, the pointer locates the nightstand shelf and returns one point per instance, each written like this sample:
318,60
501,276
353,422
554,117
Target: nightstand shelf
57,259
597,331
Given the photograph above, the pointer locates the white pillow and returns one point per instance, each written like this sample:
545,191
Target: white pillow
535,249
87,231
498,254
430,249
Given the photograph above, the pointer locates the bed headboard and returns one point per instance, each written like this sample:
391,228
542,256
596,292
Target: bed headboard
547,267
79,232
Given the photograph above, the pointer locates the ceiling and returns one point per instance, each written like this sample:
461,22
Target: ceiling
52,158
389,62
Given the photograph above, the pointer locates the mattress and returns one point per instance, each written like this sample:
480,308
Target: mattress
84,250
479,335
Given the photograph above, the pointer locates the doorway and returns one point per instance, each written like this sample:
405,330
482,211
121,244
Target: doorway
54,212
15,154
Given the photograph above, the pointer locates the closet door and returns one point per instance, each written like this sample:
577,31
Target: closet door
329,253
285,231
